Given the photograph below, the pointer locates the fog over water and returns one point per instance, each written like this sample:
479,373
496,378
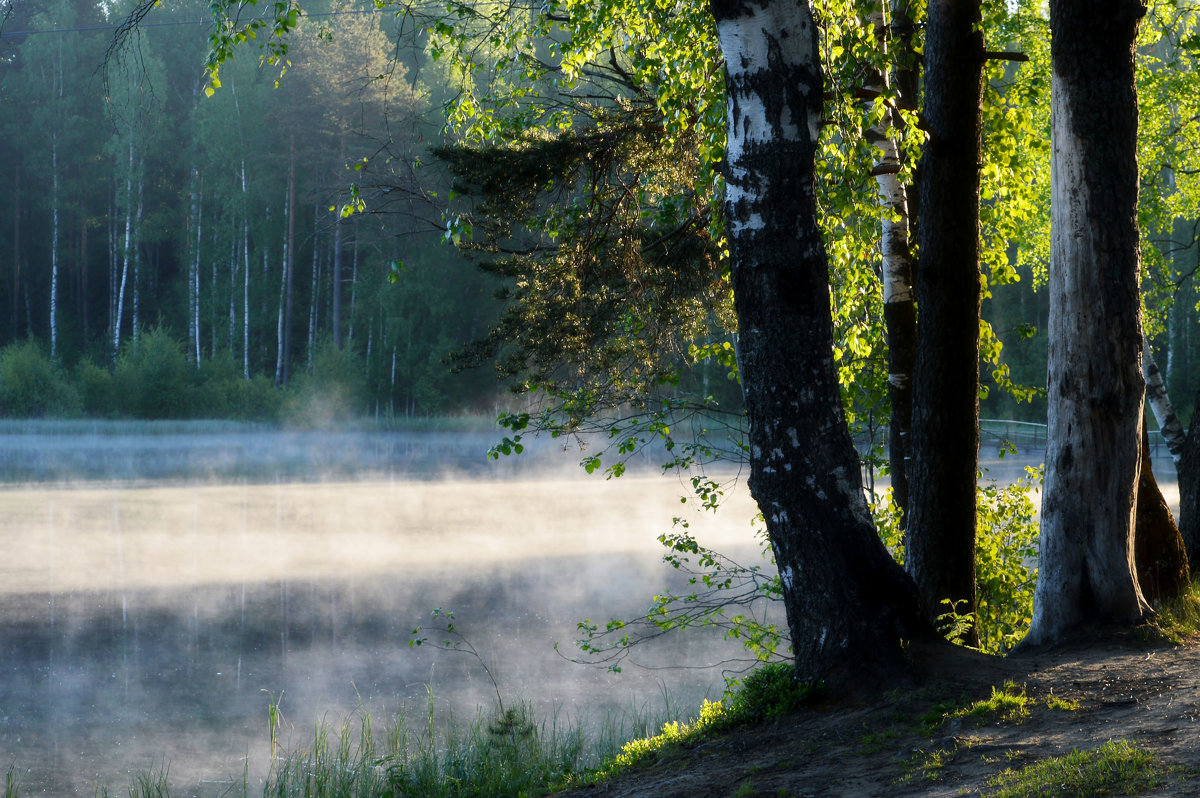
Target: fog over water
157,592
151,611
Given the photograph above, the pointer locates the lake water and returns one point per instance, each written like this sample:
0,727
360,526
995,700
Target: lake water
158,592
148,619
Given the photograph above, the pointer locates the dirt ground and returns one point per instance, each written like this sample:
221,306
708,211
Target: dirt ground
1146,693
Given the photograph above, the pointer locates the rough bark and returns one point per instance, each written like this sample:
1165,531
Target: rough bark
849,606
1095,385
945,422
1162,563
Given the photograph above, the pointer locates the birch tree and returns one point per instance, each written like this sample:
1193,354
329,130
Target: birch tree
849,606
1095,383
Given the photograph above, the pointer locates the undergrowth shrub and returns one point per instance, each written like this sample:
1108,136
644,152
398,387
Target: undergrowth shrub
152,378
1006,553
32,385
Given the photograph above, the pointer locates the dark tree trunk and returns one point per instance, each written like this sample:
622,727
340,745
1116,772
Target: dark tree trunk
1162,564
849,606
945,424
1189,489
1095,385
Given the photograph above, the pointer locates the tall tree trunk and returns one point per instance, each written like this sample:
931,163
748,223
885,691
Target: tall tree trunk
899,300
126,255
245,279
289,261
1095,384
195,237
135,315
284,277
336,310
945,425
54,246
314,295
83,276
849,606
15,301
353,284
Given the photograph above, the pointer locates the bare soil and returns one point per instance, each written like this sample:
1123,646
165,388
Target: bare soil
1146,693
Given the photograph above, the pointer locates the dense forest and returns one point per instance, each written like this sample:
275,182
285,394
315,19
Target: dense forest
171,247
170,253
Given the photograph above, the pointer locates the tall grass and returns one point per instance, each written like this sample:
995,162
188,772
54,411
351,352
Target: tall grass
501,753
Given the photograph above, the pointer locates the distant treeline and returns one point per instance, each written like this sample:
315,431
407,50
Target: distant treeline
168,254
153,379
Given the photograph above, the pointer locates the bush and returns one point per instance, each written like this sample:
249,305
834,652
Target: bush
96,391
32,386
153,379
335,390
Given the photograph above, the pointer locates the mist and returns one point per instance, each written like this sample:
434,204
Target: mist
156,600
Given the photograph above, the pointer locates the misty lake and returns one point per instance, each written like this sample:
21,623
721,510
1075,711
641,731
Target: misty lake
158,592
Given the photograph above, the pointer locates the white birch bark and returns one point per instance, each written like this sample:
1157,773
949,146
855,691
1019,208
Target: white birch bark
126,252
283,281
245,278
135,325
1162,407
847,602
54,246
314,297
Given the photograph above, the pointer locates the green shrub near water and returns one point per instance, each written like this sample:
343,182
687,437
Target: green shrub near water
152,378
1006,552
34,386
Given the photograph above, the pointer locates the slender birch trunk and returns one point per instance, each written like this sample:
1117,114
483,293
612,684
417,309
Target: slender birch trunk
15,302
54,246
1162,407
126,255
1095,386
314,295
289,264
135,319
353,285
284,282
336,310
233,292
899,299
849,606
195,236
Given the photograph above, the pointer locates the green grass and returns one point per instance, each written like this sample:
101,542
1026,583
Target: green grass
505,753
1008,704
1177,619
927,765
1117,767
765,695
